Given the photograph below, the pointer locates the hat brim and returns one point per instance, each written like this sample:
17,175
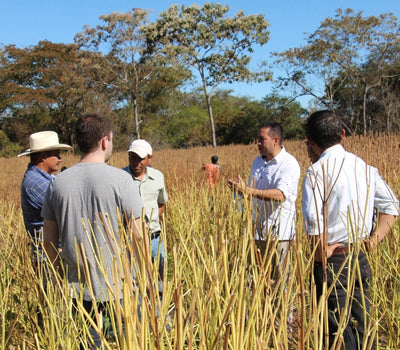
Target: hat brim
140,154
61,146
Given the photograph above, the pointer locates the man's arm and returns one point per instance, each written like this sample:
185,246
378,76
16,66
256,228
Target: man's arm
383,226
161,209
265,194
50,242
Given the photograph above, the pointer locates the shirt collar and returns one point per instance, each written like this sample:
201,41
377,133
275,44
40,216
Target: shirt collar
147,175
334,150
278,158
41,171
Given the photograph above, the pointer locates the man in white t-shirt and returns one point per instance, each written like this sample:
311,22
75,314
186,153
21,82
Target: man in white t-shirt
83,209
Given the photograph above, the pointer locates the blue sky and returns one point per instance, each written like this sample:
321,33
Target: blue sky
26,22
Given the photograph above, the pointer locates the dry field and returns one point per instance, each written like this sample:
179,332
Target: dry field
218,294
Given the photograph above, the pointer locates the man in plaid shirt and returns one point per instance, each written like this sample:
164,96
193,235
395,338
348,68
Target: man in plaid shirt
45,160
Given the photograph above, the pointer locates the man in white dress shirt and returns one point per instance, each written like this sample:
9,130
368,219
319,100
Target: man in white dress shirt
342,195
273,186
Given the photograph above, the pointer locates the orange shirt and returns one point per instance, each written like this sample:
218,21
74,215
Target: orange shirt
212,171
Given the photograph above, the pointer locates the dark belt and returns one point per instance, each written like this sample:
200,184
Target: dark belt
155,235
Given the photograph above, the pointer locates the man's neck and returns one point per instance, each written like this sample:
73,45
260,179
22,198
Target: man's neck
94,157
269,157
43,167
139,176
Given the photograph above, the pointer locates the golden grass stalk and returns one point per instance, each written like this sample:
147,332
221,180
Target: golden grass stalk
217,293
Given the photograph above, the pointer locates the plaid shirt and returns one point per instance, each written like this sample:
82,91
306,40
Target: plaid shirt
33,189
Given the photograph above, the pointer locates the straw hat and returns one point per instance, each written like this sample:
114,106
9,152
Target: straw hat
44,141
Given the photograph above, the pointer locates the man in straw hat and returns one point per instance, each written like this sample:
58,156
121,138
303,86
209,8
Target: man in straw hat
45,160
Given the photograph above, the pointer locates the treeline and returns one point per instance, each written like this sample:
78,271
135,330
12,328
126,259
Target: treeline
161,79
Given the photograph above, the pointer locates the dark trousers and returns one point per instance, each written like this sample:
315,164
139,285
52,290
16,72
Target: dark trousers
103,308
354,333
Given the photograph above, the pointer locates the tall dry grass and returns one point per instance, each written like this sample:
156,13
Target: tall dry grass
218,292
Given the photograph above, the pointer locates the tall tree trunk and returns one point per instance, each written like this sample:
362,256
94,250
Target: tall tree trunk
365,110
136,116
210,113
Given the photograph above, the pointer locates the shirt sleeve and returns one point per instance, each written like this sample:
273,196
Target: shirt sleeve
162,195
312,220
385,200
289,179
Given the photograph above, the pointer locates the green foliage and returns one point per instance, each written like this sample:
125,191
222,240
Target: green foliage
139,73
288,113
187,128
382,102
244,127
7,148
127,66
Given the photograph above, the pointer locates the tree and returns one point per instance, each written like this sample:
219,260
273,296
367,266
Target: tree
344,43
383,102
389,97
43,87
216,46
124,64
227,109
284,110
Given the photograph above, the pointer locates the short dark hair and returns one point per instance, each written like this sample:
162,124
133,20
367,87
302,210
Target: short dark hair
276,129
89,130
36,158
214,159
324,128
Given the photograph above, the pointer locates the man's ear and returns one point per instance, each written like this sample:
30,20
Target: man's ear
104,142
43,156
343,134
316,149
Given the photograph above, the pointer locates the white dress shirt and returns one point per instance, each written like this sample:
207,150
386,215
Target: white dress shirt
283,173
351,189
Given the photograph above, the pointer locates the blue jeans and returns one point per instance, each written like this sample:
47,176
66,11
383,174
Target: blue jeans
158,251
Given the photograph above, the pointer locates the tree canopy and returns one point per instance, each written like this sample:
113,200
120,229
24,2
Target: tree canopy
45,87
348,51
161,80
217,46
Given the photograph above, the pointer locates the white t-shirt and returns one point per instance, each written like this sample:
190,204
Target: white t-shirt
85,201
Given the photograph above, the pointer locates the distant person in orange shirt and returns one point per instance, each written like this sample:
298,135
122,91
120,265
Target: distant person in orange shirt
212,171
